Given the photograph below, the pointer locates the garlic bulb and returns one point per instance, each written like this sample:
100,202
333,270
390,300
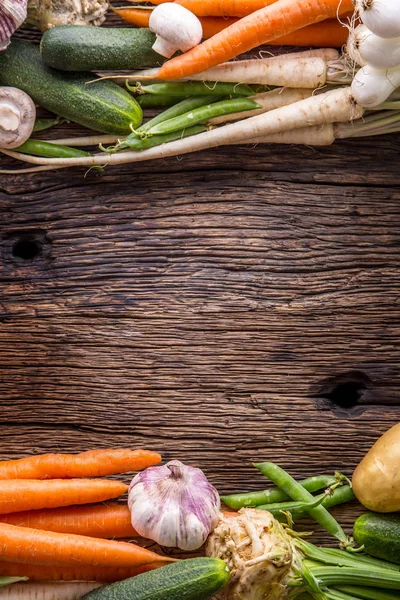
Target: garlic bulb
12,15
174,505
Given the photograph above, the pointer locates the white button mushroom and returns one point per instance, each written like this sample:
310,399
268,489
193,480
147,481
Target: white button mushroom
176,28
17,117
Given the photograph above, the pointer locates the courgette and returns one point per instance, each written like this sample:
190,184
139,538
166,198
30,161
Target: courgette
76,48
102,106
192,579
380,535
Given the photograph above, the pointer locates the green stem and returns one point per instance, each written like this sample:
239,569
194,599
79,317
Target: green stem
332,556
366,593
333,576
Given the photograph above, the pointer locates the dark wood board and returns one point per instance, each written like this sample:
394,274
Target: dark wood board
236,305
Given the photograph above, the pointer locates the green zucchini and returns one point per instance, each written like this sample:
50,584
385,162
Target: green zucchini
380,535
77,48
192,579
102,106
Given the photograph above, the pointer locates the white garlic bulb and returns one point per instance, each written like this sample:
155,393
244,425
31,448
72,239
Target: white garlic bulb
12,15
174,505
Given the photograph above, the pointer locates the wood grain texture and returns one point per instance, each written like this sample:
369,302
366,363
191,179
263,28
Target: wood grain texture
206,307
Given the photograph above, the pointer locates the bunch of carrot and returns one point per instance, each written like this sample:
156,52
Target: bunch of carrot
49,528
218,15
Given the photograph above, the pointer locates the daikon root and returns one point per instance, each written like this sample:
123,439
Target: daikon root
319,135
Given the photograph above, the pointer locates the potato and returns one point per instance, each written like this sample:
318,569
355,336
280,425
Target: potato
376,480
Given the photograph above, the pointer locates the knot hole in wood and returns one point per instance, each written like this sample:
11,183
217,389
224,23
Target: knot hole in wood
24,246
347,393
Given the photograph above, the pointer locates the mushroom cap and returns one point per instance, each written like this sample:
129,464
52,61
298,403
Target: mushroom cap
17,117
177,25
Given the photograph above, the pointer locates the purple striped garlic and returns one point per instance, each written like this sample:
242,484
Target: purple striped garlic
174,505
12,15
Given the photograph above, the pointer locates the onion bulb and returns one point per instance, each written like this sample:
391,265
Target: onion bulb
371,87
382,17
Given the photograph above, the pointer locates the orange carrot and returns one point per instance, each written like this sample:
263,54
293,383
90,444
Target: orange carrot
94,463
36,547
77,573
224,8
261,27
94,520
31,494
327,34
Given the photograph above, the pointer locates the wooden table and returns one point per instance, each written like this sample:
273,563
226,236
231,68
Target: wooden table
236,305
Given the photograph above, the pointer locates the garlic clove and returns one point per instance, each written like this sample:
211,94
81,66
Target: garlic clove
12,15
174,505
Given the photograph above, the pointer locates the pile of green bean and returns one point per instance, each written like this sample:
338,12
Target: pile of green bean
292,500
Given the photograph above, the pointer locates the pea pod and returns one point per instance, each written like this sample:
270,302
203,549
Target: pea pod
203,114
48,150
137,143
178,109
158,101
193,88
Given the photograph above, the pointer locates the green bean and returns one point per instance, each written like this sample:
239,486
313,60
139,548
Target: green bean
43,124
294,490
274,495
203,114
156,140
368,593
178,109
150,101
298,510
48,150
193,88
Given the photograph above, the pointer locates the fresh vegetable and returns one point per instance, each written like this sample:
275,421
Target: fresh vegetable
269,561
267,101
174,505
102,106
274,495
281,18
36,547
194,88
17,117
12,15
364,47
329,33
176,28
48,591
296,492
31,494
371,87
376,480
335,106
46,149
93,463
45,14
178,109
300,509
93,520
379,535
91,49
76,573
351,591
202,115
158,100
382,17
137,143
193,579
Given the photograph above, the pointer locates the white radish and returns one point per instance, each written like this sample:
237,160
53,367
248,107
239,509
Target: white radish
334,106
380,53
239,68
319,135
371,87
382,17
47,591
267,101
